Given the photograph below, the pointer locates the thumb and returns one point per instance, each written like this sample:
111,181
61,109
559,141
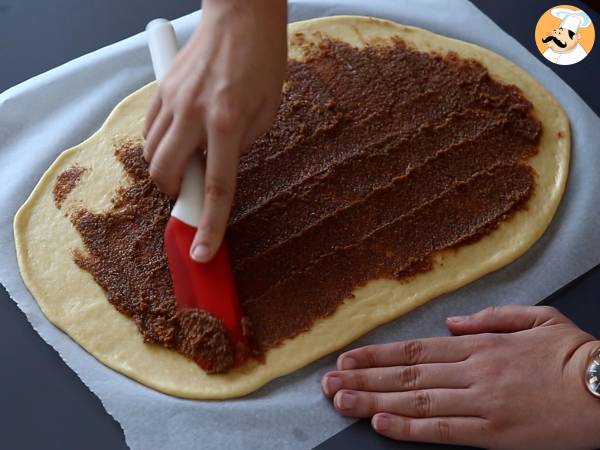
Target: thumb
505,319
219,187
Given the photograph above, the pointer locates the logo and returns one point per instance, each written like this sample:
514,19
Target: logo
564,35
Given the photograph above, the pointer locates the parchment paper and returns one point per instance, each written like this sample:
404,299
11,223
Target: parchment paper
59,109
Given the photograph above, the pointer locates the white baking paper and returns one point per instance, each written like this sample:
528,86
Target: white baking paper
54,111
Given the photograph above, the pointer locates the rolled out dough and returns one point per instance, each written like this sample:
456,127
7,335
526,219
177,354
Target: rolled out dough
69,297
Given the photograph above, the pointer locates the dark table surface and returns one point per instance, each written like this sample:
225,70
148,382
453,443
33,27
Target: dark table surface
43,404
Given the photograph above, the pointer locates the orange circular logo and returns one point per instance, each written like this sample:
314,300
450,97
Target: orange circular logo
565,35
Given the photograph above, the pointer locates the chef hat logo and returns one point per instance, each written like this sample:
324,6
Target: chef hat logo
565,35
571,19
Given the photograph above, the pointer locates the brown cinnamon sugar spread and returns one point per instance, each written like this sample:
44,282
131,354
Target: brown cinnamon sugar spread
378,159
124,252
66,182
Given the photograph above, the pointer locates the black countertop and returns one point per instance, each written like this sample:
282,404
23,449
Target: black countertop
43,404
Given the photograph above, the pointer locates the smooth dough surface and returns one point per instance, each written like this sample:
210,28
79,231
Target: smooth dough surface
45,238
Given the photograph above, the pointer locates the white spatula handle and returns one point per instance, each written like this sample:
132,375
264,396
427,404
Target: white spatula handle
163,49
162,45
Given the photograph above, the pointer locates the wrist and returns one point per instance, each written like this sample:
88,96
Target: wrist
269,8
257,24
254,19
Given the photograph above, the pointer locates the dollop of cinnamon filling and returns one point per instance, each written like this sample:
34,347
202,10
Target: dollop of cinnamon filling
66,182
378,159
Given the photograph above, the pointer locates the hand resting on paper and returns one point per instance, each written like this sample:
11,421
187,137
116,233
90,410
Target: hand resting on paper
221,93
510,378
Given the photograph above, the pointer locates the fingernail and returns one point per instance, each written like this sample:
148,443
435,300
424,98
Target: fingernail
200,252
332,384
346,400
457,319
347,363
381,422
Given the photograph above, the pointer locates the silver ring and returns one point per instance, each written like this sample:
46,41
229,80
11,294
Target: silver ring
592,374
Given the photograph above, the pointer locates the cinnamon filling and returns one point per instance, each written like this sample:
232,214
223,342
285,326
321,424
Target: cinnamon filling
66,182
378,159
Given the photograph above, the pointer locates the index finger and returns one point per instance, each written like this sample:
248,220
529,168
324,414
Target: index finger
407,353
152,112
222,159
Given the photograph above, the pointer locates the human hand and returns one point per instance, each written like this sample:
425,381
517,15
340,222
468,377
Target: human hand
511,379
220,94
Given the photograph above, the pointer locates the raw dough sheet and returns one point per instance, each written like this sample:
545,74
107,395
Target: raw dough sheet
52,112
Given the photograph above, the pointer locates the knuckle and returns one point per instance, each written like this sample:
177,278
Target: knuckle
217,191
412,352
188,108
443,430
422,404
371,356
485,342
491,311
224,117
227,96
168,88
209,230
409,376
359,381
367,356
373,403
187,102
551,311
405,429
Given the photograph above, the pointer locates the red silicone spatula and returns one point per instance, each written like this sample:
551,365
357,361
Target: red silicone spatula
207,286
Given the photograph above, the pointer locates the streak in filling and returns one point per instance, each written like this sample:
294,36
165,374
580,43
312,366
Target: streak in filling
377,160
